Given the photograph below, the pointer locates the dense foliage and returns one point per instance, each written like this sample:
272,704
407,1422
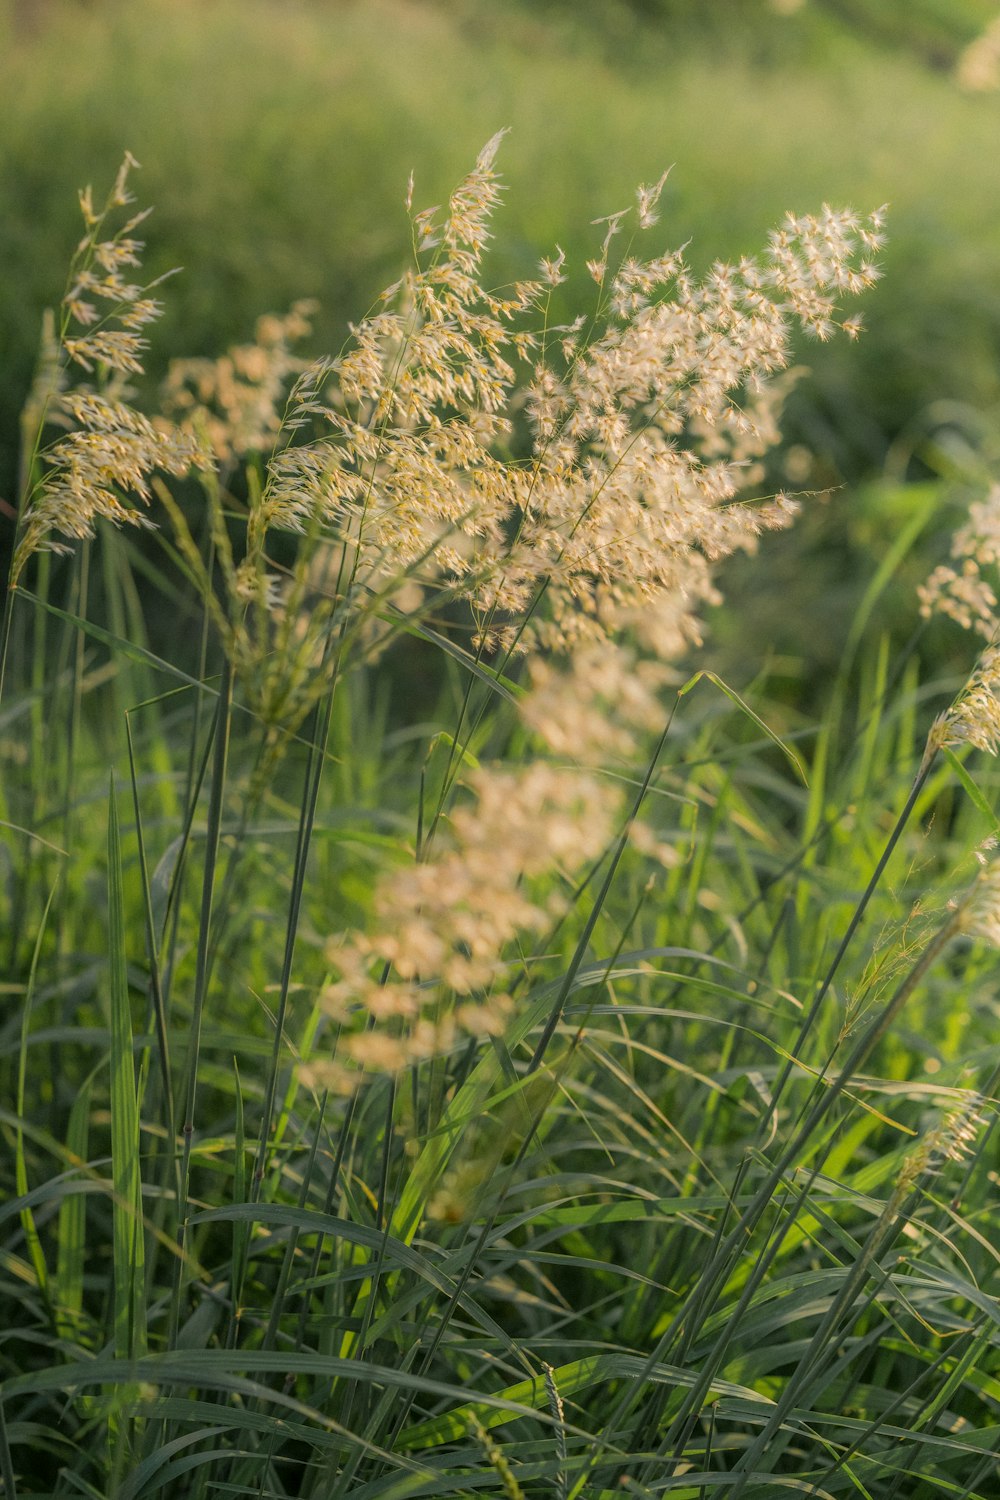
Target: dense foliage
560,1082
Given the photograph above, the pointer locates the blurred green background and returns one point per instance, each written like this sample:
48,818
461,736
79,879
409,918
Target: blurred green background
276,138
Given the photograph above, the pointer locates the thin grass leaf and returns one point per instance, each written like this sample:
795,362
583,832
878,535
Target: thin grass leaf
972,791
393,1254
571,1378
6,1462
72,1223
217,787
745,708
31,1235
152,952
505,687
922,503
129,1301
115,643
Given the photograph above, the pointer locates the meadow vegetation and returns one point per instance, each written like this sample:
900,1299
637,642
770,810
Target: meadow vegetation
257,125
259,166
455,1041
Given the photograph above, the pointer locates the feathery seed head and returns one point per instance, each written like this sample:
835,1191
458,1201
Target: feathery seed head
979,914
111,451
639,437
962,592
974,718
951,1141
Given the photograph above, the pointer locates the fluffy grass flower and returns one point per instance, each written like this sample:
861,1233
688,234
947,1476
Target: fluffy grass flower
106,459
634,438
974,717
432,964
237,403
963,592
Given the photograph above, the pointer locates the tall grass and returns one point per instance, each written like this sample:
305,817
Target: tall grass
255,123
579,1089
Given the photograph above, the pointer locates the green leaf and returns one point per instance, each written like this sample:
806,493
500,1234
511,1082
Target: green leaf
504,686
72,1223
115,642
734,697
31,1237
974,794
492,1410
127,1236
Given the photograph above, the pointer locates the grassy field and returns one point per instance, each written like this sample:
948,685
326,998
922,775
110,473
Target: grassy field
454,1041
276,142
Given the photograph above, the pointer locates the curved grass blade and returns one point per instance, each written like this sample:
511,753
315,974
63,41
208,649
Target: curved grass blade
734,697
31,1235
129,1292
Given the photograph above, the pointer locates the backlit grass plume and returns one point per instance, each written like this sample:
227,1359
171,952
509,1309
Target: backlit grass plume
443,1018
573,485
104,461
643,421
601,509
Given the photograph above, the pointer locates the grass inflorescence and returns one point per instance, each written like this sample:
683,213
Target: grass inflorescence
581,1085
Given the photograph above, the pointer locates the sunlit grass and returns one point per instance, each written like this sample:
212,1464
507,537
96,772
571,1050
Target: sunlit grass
256,125
581,1084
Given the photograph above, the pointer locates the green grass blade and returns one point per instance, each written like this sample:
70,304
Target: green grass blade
31,1236
116,644
129,1297
223,724
6,1462
152,950
975,796
744,707
72,1223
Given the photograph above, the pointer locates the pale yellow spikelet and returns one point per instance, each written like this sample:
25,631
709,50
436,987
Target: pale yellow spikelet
445,926
238,403
621,515
106,460
96,470
963,592
594,707
964,595
951,1140
974,718
648,197
979,914
593,551
643,436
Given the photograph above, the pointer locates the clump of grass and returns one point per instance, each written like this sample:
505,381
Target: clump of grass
576,1063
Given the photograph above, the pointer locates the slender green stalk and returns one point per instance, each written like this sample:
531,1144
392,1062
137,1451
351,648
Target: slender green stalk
809,1020
27,1217
569,978
6,1462
690,1316
217,787
129,1327
307,820
158,1015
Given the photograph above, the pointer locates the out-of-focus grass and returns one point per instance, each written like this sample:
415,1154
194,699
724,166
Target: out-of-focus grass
277,139
934,31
